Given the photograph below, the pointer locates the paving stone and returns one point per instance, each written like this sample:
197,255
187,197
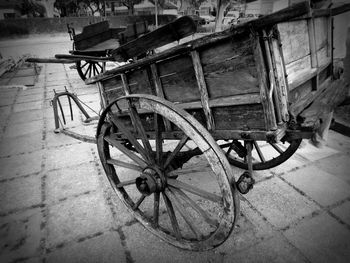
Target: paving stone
26,116
339,142
68,156
275,249
58,139
321,239
32,90
324,188
313,153
143,246
250,229
77,218
26,106
20,193
19,165
4,114
292,163
279,202
71,181
104,249
20,235
20,129
22,144
28,98
50,83
343,212
337,165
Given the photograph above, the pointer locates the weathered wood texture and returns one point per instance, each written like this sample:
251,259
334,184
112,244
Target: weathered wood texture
173,31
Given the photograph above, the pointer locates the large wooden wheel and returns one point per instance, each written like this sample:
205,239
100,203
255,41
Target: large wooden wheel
88,69
265,155
168,171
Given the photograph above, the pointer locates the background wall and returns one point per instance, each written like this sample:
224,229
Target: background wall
26,26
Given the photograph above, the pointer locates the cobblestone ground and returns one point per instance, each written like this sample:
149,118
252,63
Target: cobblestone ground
56,204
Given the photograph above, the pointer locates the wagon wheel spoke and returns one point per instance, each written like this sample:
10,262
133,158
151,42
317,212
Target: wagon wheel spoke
139,201
88,70
156,209
194,190
126,183
265,157
141,131
130,137
195,206
278,149
159,140
95,69
86,63
126,151
177,149
258,150
100,66
185,215
172,216
124,164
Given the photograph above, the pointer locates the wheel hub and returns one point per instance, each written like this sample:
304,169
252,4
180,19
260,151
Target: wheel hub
150,181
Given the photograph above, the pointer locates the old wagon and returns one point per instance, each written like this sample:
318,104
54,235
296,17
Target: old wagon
173,122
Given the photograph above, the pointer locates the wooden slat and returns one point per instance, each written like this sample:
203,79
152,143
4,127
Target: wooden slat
272,74
312,42
266,97
202,89
282,90
159,91
224,101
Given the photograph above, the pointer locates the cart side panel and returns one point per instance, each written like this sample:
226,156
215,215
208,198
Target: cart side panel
296,47
178,79
229,67
307,51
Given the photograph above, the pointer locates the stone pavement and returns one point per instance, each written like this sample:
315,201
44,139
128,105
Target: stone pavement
56,204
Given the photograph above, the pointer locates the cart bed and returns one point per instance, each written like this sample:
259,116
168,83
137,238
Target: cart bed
248,82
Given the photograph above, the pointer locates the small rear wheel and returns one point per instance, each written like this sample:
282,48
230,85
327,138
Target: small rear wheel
168,171
265,155
88,69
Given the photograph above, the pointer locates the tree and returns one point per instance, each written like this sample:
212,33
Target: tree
130,5
31,8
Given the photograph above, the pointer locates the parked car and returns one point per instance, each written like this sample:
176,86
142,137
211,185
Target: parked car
198,20
208,18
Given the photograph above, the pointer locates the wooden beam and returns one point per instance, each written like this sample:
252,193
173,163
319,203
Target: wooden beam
202,89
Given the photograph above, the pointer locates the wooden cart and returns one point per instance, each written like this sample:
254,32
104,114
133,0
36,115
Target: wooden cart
98,40
172,122
98,44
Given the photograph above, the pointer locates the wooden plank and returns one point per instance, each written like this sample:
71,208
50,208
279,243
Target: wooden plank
224,101
302,102
324,102
184,26
50,60
302,77
266,97
202,89
296,68
92,30
282,86
312,42
159,91
178,79
241,117
321,32
229,67
295,40
273,85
